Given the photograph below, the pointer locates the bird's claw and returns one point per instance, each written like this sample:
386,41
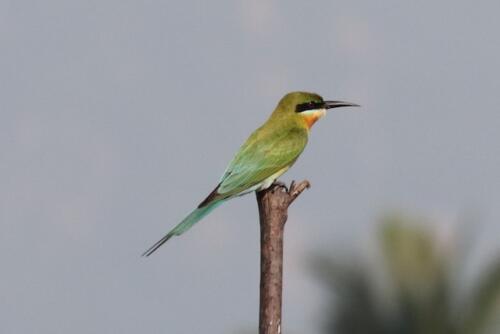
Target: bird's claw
280,184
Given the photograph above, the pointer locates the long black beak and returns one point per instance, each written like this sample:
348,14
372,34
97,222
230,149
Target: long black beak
338,104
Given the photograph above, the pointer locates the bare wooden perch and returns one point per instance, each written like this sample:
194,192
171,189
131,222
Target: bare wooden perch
273,213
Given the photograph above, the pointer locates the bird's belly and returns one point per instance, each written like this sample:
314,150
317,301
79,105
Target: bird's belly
264,184
267,182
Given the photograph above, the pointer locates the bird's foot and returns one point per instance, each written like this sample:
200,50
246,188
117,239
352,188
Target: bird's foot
280,184
287,194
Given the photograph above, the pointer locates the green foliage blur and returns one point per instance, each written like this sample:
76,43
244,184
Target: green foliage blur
415,285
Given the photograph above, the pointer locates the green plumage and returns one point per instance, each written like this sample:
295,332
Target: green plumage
267,153
268,150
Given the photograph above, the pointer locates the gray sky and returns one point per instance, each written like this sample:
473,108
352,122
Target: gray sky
118,117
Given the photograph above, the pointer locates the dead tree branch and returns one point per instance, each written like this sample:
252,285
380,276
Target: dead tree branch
273,213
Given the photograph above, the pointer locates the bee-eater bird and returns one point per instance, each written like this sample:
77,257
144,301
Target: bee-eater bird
268,153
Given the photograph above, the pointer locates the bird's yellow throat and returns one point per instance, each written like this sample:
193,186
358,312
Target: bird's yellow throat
312,116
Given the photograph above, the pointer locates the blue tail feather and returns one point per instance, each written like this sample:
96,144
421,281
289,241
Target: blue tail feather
184,225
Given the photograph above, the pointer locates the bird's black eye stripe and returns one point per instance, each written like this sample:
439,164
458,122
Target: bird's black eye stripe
309,106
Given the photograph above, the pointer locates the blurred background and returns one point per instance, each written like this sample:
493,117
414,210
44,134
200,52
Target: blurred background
118,117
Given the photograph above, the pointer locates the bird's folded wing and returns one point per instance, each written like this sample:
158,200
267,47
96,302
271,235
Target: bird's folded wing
259,158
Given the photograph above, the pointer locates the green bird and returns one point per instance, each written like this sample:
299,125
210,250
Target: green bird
268,153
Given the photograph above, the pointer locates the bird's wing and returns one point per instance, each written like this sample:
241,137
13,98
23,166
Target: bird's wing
262,155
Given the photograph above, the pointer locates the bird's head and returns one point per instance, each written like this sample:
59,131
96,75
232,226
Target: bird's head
306,107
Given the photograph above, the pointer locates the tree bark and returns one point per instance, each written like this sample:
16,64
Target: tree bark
273,213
